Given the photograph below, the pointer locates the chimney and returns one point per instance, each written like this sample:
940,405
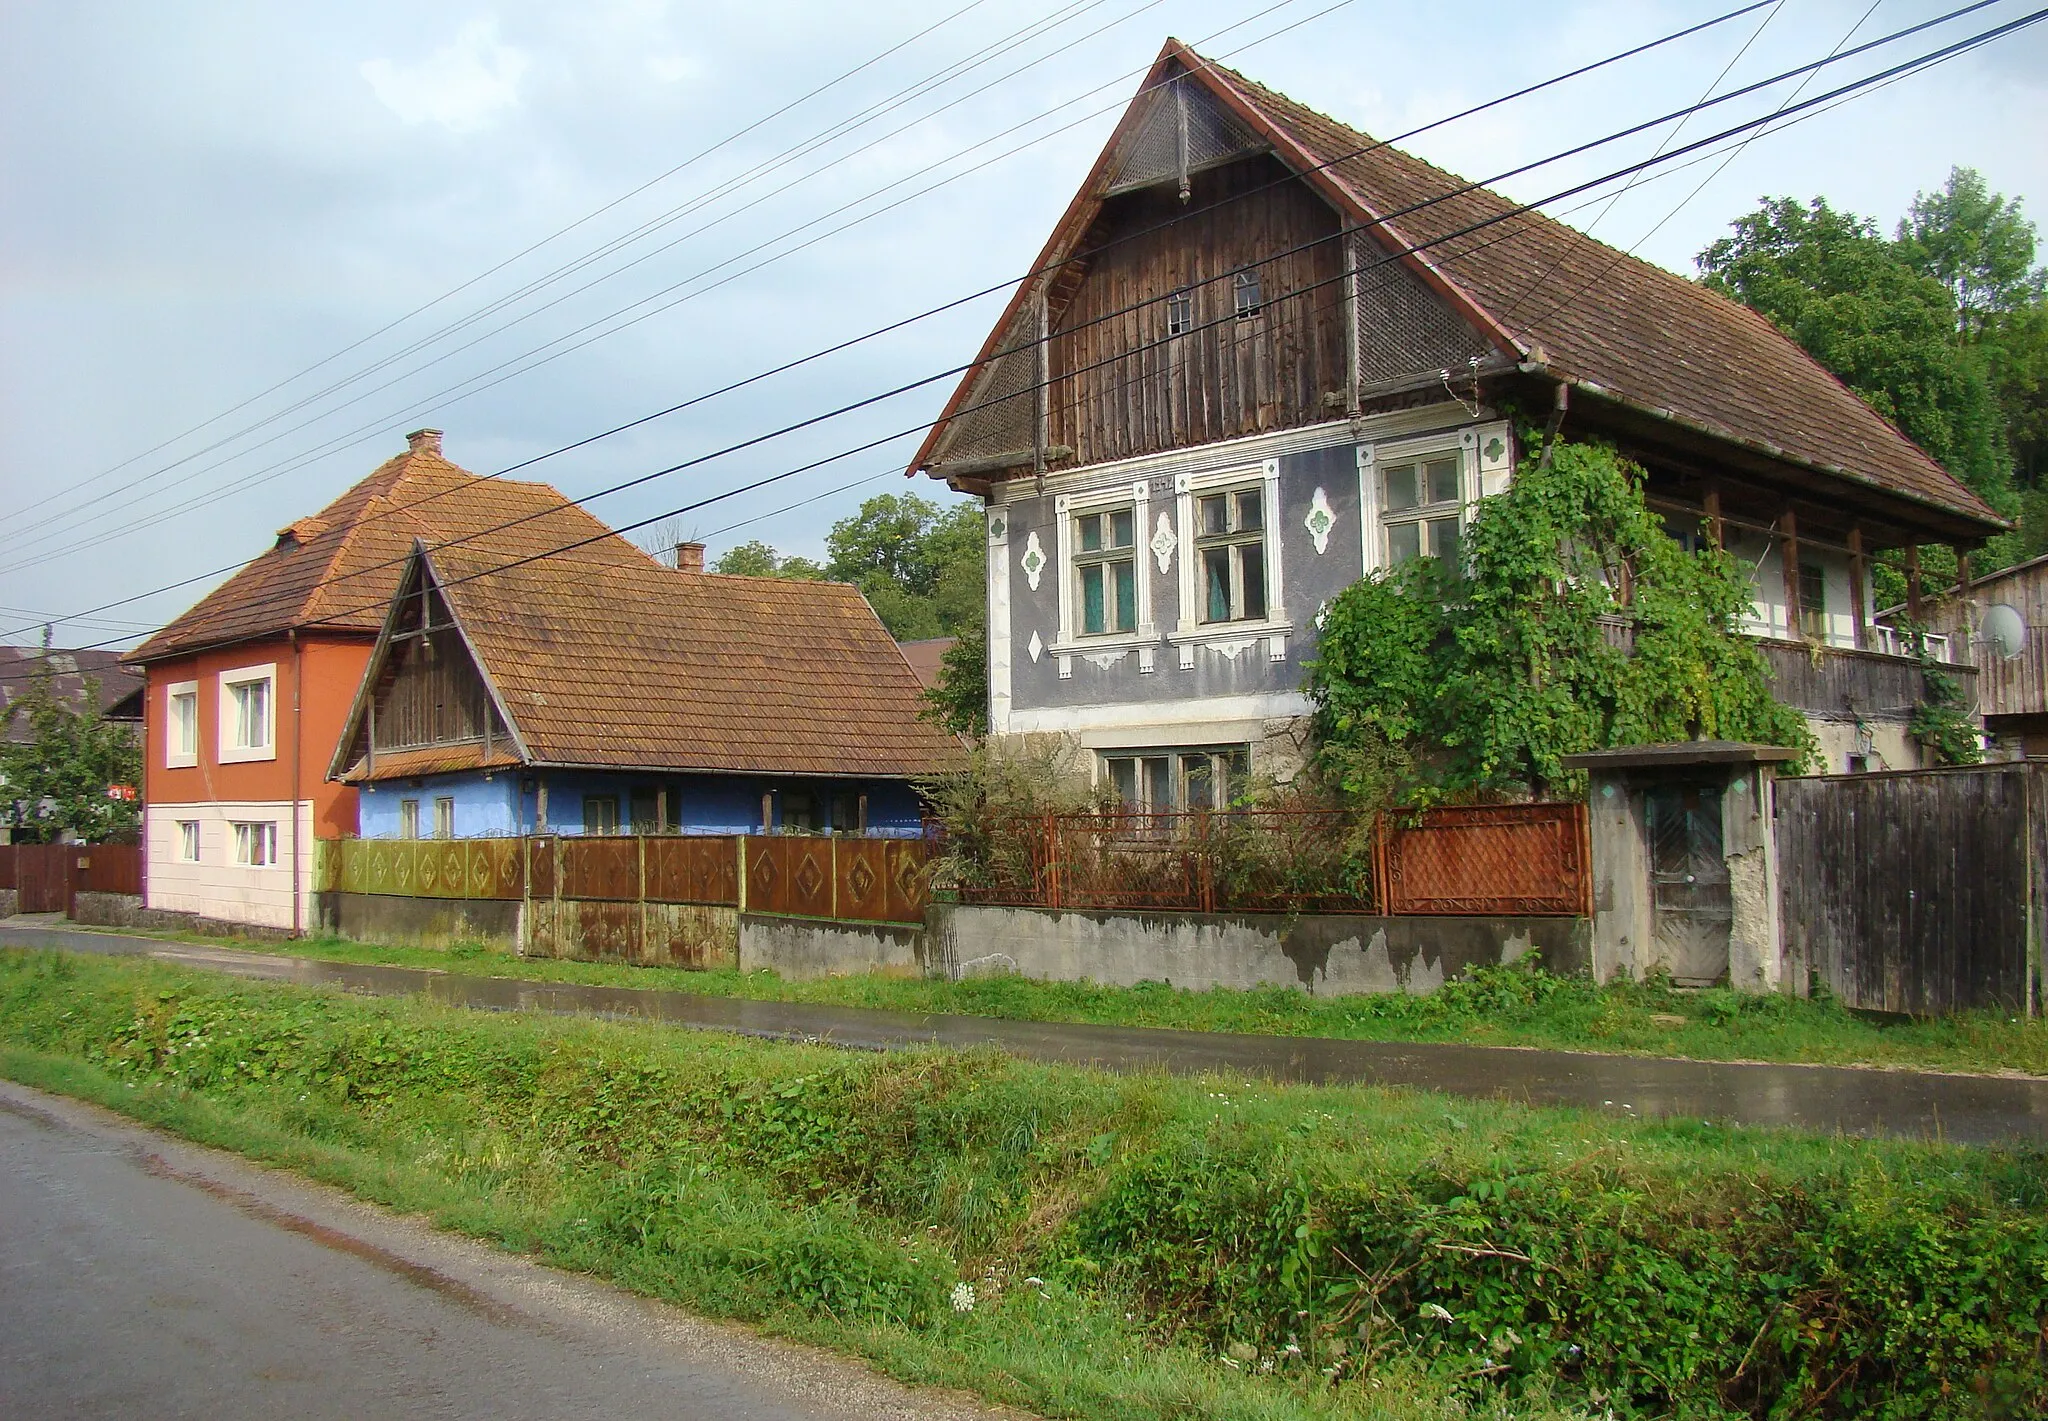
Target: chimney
689,557
424,441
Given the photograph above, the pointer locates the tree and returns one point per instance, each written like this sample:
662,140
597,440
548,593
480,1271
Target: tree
958,704
58,780
1861,308
758,559
1978,244
1480,679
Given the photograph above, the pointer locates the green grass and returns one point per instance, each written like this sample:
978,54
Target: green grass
1137,1246
1498,1008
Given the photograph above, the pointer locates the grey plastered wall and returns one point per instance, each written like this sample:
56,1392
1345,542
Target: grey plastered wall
418,922
1334,955
803,949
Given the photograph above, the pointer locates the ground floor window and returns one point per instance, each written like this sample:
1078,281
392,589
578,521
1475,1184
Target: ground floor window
1164,780
444,817
188,840
255,843
600,814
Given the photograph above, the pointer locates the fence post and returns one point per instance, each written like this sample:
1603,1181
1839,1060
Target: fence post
1052,861
739,881
641,841
1382,870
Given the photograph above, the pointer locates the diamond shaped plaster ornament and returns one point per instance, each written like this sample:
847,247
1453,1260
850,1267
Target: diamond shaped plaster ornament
1033,561
1163,543
1320,521
1035,646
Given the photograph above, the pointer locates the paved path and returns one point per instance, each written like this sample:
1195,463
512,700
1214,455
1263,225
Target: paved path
1914,1104
142,1276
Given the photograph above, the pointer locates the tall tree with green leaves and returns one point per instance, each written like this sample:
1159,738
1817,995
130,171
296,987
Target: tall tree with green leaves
59,778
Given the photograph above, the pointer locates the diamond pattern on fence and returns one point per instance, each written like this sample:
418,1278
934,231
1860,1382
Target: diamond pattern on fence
424,868
1507,859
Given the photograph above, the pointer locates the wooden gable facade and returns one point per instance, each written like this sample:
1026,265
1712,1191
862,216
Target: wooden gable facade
1199,289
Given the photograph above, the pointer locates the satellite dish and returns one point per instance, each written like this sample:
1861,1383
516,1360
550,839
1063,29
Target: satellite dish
2005,630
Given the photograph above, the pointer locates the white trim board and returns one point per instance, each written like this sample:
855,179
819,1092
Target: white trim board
1205,718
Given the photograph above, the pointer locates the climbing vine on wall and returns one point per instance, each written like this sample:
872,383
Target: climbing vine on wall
1575,622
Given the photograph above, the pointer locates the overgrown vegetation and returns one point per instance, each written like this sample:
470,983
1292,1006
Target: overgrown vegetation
1116,1247
58,779
1517,1006
1575,621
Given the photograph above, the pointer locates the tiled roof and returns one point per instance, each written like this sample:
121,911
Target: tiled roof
434,760
927,657
70,668
338,568
1648,337
638,666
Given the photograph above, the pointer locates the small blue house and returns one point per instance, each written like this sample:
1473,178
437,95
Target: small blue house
573,694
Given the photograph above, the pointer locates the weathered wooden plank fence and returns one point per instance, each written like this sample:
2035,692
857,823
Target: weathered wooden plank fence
47,876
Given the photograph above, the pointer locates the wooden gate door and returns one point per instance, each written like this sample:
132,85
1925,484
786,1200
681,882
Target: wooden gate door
1691,906
43,874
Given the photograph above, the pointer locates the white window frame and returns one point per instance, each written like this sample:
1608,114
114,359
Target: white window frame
176,755
1177,757
254,842
444,816
189,842
409,818
1066,508
1188,490
1373,457
230,752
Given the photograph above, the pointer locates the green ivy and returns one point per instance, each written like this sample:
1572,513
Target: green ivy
1576,622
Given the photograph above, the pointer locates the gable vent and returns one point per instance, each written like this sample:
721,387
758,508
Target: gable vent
1180,129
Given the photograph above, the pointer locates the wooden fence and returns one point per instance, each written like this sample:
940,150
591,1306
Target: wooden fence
1920,891
47,876
866,880
1510,860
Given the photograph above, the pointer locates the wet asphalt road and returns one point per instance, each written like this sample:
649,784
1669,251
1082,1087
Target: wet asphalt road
142,1276
1830,1099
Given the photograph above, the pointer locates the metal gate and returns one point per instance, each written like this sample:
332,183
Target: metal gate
1692,908
1917,891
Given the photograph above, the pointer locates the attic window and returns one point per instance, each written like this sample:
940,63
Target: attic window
1248,300
1180,313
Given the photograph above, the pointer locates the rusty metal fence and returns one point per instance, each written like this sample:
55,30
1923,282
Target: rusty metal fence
1479,860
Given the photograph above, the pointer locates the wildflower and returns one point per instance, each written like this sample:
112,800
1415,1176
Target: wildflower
963,1297
1437,1311
1034,1282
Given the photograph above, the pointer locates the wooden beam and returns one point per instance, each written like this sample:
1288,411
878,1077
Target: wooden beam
1856,585
1788,558
1966,612
1913,582
1717,531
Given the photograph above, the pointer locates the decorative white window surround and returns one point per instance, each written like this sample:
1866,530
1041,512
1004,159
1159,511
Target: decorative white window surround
1471,445
1066,508
230,752
176,755
1187,488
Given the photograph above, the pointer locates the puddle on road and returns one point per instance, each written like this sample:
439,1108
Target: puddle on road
1829,1099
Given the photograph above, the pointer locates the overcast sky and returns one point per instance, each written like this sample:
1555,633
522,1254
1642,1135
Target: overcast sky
201,201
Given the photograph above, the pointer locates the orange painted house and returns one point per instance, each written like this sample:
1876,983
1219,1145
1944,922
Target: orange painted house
246,694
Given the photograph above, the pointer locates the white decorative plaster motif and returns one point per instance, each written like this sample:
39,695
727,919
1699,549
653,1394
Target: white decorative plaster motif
1033,561
1319,522
1164,542
1106,659
1232,648
1147,661
1066,668
1276,648
1035,646
1187,656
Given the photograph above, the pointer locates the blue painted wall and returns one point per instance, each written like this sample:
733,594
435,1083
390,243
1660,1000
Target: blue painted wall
702,804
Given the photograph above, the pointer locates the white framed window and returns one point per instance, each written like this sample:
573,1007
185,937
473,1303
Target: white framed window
1105,597
181,725
444,817
1162,781
1230,548
248,714
408,818
188,841
1230,573
1180,313
1416,500
1105,568
1246,297
255,842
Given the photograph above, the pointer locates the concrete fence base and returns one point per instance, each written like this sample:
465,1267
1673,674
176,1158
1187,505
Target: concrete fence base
125,910
803,949
10,902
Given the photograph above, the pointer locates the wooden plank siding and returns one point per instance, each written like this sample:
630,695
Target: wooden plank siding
1916,892
1121,388
430,694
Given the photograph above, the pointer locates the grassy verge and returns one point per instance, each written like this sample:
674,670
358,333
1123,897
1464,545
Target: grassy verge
1098,1246
1494,1008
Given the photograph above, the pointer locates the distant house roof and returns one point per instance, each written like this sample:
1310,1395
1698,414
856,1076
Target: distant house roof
630,665
1539,291
927,656
337,569
17,663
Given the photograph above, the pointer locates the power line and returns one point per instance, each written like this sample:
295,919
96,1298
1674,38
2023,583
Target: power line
1517,94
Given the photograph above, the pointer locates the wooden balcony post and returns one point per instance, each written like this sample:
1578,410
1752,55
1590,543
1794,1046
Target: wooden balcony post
1856,584
1717,531
1788,556
1966,613
1913,583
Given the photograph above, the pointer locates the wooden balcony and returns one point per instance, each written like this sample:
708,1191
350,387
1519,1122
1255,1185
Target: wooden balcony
1844,684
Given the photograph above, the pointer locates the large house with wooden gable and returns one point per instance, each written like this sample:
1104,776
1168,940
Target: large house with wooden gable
1262,355
509,696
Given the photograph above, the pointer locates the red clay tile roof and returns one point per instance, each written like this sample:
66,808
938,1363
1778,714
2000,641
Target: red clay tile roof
338,568
927,657
70,669
1648,337
633,665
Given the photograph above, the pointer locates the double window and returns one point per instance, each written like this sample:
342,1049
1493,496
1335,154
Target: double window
188,841
256,843
1422,508
1813,601
444,817
408,818
1180,313
1106,571
248,714
1230,544
600,814
1246,298
1164,781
